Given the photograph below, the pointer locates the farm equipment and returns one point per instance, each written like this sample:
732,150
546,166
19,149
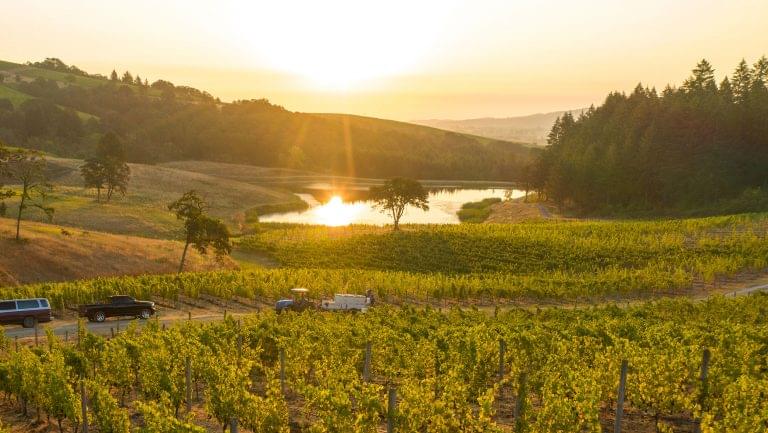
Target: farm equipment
340,302
347,302
298,303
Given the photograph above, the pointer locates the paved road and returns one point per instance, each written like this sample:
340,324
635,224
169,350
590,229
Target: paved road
64,328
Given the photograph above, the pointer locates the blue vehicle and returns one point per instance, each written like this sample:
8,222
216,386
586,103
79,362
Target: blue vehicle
298,303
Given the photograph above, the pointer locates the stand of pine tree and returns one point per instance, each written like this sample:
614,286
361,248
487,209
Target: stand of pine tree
701,146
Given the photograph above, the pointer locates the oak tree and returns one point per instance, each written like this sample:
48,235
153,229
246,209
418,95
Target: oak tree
200,230
28,169
396,194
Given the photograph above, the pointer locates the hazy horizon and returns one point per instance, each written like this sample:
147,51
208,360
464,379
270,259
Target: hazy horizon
431,60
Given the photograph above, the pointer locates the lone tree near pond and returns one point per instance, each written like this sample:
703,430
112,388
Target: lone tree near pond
396,194
107,169
200,230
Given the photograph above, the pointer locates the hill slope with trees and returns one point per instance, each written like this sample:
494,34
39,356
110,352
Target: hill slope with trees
700,147
61,109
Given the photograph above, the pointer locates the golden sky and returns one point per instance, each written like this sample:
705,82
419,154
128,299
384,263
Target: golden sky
397,59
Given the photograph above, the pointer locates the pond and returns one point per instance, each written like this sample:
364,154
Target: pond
443,205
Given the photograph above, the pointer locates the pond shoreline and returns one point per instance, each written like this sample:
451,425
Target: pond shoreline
339,210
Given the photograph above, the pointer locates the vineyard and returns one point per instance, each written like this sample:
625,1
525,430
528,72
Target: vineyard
266,285
410,370
705,247
537,261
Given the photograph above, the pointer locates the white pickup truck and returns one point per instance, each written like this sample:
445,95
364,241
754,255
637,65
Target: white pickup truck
346,302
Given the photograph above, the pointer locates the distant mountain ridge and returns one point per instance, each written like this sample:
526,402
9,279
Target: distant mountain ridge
531,129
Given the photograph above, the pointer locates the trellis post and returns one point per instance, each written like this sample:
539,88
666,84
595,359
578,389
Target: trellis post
620,398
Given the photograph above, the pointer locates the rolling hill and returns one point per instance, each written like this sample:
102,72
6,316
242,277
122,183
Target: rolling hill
61,109
527,129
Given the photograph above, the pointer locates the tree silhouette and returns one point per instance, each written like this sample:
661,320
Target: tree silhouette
396,194
107,169
200,231
27,167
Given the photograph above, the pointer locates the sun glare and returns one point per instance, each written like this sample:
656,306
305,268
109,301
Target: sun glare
337,213
337,44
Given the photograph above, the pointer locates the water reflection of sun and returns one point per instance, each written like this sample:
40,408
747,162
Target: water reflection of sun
337,213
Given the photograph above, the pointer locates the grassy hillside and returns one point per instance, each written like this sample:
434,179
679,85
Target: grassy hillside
144,210
59,253
13,95
163,122
28,73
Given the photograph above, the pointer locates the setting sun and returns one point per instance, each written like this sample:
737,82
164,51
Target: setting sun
351,46
337,213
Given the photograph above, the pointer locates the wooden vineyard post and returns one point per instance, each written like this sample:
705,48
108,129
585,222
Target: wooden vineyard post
704,386
16,343
84,406
239,348
188,383
66,336
282,371
112,332
118,325
35,332
391,409
502,350
367,363
437,374
233,423
620,397
520,402
189,315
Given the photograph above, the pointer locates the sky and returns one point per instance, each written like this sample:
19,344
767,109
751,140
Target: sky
405,60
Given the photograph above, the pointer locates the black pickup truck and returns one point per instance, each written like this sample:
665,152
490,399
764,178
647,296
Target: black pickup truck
118,306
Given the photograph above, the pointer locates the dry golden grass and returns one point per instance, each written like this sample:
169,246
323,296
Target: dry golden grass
144,210
514,211
57,253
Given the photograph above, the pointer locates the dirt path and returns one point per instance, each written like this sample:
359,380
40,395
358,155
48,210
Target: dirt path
749,290
514,211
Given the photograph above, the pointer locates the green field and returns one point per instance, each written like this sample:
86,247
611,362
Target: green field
477,212
17,98
63,77
559,367
13,95
4,65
